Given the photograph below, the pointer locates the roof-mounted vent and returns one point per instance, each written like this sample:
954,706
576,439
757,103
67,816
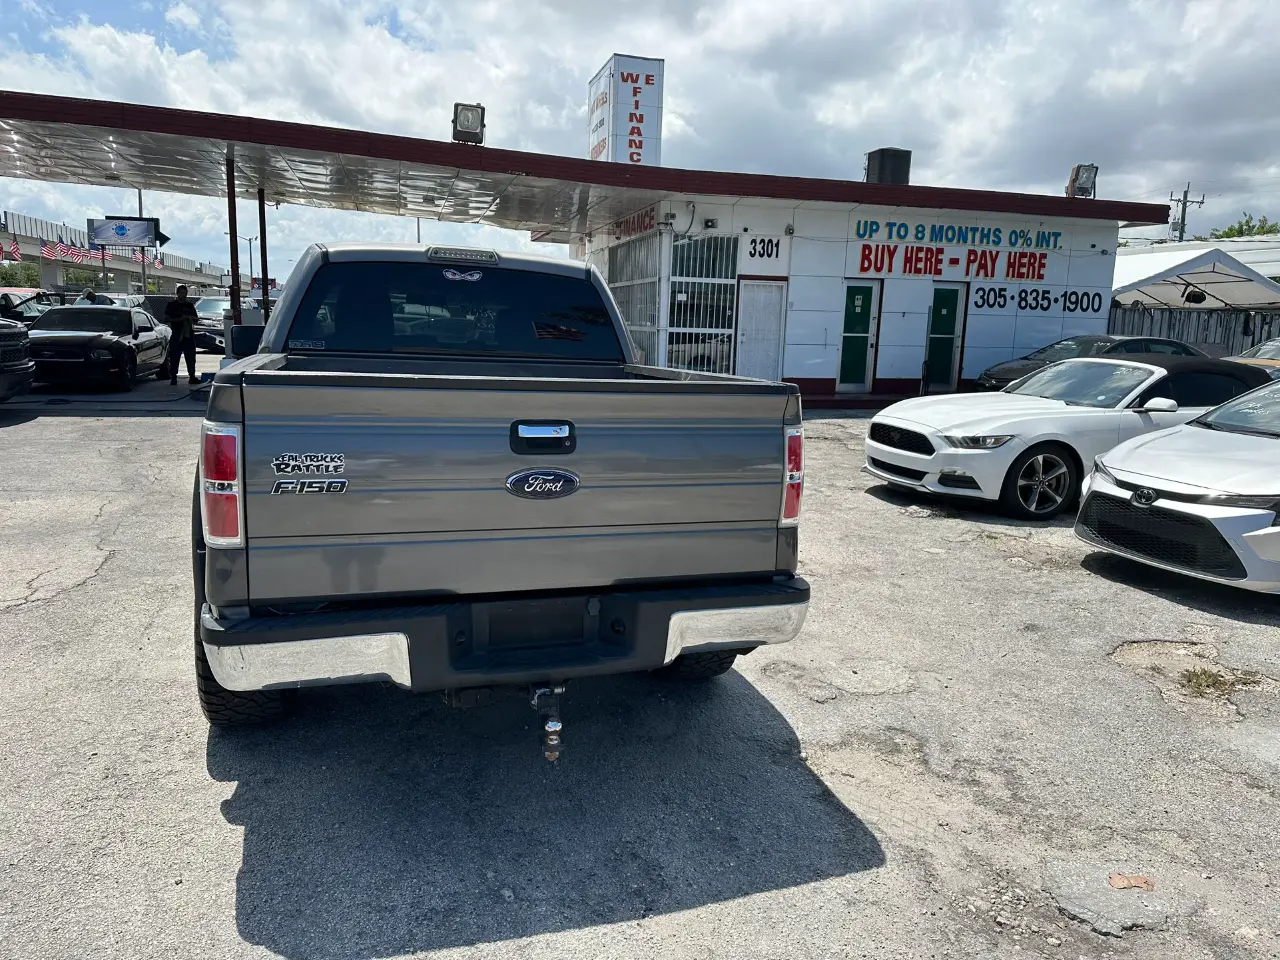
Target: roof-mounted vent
888,165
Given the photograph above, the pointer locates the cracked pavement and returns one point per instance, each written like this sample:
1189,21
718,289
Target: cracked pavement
981,721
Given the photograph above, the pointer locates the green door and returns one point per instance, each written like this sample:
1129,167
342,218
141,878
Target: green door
856,345
944,338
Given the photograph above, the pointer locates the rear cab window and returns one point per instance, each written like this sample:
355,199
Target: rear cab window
440,309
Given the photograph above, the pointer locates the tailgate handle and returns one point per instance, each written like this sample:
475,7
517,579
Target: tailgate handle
542,430
543,437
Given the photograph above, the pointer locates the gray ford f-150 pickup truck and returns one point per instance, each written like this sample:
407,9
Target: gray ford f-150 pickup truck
442,468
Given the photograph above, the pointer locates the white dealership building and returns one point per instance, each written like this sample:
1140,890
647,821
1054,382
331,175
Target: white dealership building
859,297
844,287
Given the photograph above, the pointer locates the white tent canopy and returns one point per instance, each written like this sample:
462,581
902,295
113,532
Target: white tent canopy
1166,278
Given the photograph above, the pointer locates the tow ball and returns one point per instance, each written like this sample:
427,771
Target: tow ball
546,700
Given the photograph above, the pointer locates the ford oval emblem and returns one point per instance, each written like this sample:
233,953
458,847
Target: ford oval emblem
542,484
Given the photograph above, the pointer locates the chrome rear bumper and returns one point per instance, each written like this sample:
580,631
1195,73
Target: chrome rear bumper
696,631
312,663
450,645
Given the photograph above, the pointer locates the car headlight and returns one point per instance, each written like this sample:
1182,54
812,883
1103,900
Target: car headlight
977,443
1271,503
1101,470
99,354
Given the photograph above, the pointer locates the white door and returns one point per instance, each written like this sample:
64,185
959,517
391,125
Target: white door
762,306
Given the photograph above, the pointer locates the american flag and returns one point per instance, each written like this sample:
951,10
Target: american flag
158,263
100,253
138,255
47,251
78,255
62,249
14,250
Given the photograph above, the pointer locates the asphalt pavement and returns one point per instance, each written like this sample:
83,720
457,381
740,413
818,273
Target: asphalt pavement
980,723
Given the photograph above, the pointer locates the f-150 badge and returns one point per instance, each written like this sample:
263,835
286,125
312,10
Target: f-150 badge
309,486
326,464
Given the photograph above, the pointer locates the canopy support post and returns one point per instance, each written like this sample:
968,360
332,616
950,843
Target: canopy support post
262,237
236,319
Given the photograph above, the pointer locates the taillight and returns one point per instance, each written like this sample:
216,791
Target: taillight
794,479
220,485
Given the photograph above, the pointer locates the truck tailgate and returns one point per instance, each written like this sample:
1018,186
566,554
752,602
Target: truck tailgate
672,484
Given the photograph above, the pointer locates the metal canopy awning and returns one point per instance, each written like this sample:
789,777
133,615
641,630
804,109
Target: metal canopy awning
179,151
1166,278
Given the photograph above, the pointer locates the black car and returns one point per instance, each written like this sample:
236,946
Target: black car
83,343
16,368
1093,345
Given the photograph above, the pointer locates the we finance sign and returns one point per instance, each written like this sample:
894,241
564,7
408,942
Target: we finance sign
624,111
636,224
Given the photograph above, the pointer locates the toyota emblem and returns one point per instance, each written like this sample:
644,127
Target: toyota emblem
1144,497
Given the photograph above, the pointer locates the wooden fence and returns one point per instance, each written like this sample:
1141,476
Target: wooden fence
1220,333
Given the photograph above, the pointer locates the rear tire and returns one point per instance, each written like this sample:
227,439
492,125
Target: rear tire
220,706
699,666
233,708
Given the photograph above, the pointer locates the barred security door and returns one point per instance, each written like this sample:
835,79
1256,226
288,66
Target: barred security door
701,322
632,272
761,309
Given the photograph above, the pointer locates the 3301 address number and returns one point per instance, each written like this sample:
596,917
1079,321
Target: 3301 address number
1036,298
764,248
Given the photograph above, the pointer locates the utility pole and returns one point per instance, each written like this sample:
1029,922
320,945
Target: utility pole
1183,204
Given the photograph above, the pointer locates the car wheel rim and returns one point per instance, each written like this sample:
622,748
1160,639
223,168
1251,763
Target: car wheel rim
1043,483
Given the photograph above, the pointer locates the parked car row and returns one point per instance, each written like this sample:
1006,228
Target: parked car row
25,304
1000,375
1173,460
1095,345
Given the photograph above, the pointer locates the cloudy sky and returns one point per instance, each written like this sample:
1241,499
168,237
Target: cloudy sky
997,94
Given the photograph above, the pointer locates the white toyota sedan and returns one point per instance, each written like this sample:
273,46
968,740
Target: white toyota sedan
1029,445
1201,499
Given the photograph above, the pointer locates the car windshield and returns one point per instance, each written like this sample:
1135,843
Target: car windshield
1083,383
212,305
88,319
1256,413
1270,350
472,309
1070,349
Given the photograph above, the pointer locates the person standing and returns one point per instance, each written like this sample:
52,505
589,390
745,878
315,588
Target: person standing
180,316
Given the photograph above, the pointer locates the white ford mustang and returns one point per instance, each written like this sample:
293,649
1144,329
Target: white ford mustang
1030,445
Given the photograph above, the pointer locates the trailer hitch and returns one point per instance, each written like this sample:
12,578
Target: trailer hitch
546,700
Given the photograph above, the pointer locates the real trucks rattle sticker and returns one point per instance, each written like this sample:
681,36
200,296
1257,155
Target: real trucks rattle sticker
305,465
289,464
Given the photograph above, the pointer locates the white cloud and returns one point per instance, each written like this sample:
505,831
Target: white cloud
997,94
182,15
